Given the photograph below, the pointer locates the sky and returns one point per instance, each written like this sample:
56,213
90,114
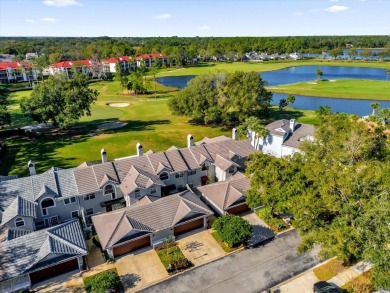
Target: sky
190,18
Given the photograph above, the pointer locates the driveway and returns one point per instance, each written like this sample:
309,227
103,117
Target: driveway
70,282
200,248
261,232
140,269
251,270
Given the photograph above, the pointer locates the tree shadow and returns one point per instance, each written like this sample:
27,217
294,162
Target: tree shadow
285,114
130,281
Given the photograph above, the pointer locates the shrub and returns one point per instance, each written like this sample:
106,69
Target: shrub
104,281
234,230
96,241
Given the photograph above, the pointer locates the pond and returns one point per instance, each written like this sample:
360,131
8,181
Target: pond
307,73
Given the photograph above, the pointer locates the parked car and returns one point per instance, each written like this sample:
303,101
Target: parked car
325,287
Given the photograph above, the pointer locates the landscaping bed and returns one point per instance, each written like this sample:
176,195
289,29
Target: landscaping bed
361,284
274,222
103,282
329,269
222,243
172,257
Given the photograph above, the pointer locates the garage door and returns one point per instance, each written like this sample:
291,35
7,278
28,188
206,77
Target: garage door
188,227
53,271
131,246
238,209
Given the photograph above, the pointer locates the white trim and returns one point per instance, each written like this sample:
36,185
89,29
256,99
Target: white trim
19,218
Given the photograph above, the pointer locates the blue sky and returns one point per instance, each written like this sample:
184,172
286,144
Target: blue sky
125,18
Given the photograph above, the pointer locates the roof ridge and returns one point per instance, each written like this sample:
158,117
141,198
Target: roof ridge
116,228
184,160
165,155
175,220
56,237
226,195
147,156
187,200
204,146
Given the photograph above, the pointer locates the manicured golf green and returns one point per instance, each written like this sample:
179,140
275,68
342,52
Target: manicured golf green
203,68
341,88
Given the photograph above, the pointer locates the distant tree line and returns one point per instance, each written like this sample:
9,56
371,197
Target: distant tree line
182,50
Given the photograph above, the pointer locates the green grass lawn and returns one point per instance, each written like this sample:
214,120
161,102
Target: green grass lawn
329,269
170,255
148,119
341,88
203,68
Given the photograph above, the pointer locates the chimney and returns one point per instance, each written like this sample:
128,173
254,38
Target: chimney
31,168
104,156
292,125
140,149
234,134
190,141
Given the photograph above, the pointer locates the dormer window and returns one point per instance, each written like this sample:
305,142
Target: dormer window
231,169
137,193
205,167
153,190
109,190
164,176
19,222
45,204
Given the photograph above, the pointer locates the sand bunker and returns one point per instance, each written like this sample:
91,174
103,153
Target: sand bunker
119,105
112,125
310,82
332,80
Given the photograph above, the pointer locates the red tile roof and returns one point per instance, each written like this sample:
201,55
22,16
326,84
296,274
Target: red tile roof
117,59
150,56
13,65
69,64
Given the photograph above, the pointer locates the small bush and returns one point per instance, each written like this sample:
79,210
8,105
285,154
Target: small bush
96,241
104,281
274,222
234,230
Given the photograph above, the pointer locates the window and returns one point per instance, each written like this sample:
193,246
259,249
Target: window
164,176
19,222
89,212
178,175
205,167
137,193
153,189
89,196
47,203
70,200
109,189
74,214
231,169
191,172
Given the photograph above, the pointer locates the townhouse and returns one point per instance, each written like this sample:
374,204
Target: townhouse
147,185
149,59
88,67
126,64
17,72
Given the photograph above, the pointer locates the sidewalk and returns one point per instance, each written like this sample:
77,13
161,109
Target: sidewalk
304,283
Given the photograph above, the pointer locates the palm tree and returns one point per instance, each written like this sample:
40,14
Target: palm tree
375,106
319,73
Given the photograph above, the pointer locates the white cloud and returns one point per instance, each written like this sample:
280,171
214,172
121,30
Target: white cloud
164,16
61,3
337,8
204,27
298,13
334,0
30,20
49,19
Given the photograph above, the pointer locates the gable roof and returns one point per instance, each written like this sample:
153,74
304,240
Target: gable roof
227,193
150,56
138,178
25,253
72,63
19,207
302,132
157,215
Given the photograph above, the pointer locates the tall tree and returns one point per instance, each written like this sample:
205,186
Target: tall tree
375,107
353,53
5,116
387,74
319,74
59,100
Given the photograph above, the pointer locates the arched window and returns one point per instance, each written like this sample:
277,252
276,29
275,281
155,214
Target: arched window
231,169
205,167
109,190
47,203
19,222
164,176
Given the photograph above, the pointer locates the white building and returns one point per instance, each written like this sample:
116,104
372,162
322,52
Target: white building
283,138
17,72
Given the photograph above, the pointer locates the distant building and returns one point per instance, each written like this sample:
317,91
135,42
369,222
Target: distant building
127,64
17,72
149,59
86,67
30,56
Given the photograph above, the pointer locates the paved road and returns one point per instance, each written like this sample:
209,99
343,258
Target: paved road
251,270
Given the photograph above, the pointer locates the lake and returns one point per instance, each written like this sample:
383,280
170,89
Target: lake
307,73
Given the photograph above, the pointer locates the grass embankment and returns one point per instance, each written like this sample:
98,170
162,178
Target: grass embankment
223,244
340,88
148,119
203,68
329,269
